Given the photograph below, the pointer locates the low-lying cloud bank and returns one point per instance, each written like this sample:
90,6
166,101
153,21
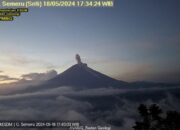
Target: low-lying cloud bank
6,78
104,106
27,80
40,76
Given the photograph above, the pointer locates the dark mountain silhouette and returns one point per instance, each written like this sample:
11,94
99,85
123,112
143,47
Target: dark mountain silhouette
142,84
79,76
82,76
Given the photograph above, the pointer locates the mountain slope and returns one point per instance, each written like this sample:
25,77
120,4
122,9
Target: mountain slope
82,76
78,76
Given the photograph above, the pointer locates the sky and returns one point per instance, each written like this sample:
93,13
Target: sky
136,40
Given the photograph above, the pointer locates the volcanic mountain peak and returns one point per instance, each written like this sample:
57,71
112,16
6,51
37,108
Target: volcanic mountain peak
81,75
79,62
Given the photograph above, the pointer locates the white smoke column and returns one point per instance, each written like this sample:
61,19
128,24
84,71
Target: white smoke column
78,58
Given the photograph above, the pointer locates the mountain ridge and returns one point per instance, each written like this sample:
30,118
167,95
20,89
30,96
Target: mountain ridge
82,76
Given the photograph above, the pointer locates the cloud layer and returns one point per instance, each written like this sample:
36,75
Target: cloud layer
6,78
103,106
31,79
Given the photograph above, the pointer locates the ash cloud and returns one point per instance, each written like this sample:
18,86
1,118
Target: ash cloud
78,59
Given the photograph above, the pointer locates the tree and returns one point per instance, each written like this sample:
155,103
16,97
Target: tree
151,119
172,121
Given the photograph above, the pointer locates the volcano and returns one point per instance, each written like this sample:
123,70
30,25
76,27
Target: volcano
80,75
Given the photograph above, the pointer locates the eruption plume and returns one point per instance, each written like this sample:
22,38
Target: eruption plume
78,59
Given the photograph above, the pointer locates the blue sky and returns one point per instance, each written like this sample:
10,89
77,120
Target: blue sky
135,40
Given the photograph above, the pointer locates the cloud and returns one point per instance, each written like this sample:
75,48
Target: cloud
31,79
40,76
99,92
43,105
106,106
6,78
